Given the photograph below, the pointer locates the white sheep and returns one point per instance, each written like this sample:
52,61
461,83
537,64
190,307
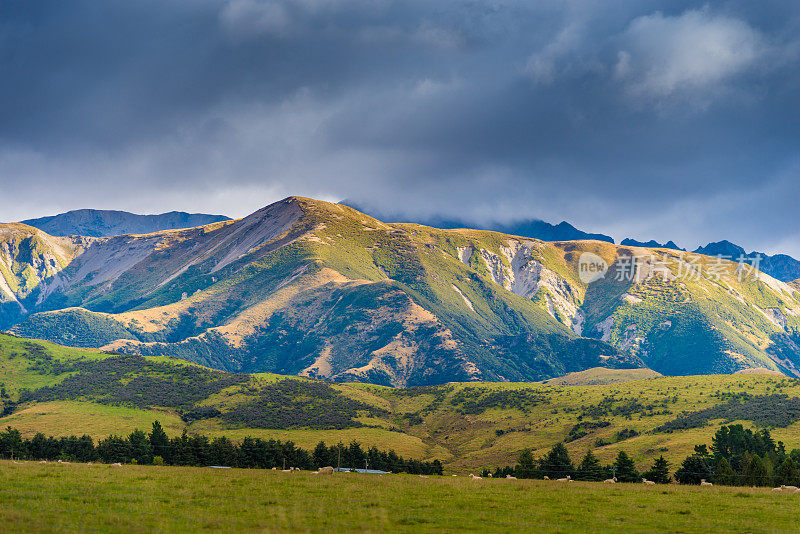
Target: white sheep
648,482
777,490
509,477
793,489
546,477
473,477
610,481
704,483
568,479
423,476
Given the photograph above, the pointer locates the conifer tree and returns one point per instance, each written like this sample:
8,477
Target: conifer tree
557,463
625,469
789,473
724,475
590,469
659,473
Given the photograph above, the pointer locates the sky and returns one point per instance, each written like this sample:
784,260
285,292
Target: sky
647,119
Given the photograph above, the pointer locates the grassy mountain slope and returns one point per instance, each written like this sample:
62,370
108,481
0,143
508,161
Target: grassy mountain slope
318,289
28,257
314,288
62,391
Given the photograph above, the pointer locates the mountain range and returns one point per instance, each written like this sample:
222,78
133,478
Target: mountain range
534,228
780,266
649,244
107,223
322,290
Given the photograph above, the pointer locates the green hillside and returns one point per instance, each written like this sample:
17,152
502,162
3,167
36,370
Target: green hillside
65,391
309,288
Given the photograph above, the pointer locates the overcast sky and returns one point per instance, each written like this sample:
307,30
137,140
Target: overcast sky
652,119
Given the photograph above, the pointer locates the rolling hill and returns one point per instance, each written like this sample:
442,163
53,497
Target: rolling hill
64,391
107,223
322,290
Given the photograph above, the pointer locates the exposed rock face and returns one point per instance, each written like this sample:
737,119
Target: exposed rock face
605,327
776,316
525,276
465,254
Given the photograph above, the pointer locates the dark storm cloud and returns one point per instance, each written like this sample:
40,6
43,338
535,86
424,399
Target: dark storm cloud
666,120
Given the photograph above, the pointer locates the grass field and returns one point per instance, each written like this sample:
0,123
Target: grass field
100,498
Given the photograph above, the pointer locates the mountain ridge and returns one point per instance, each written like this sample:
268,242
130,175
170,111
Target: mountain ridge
650,244
533,228
320,289
109,223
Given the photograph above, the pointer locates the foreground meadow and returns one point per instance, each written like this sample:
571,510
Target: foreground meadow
56,497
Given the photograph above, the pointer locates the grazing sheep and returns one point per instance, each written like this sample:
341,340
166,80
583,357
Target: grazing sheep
648,482
116,464
546,477
274,468
509,477
568,479
610,481
777,490
793,489
423,476
489,475
43,462
704,483
286,470
473,477
327,470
